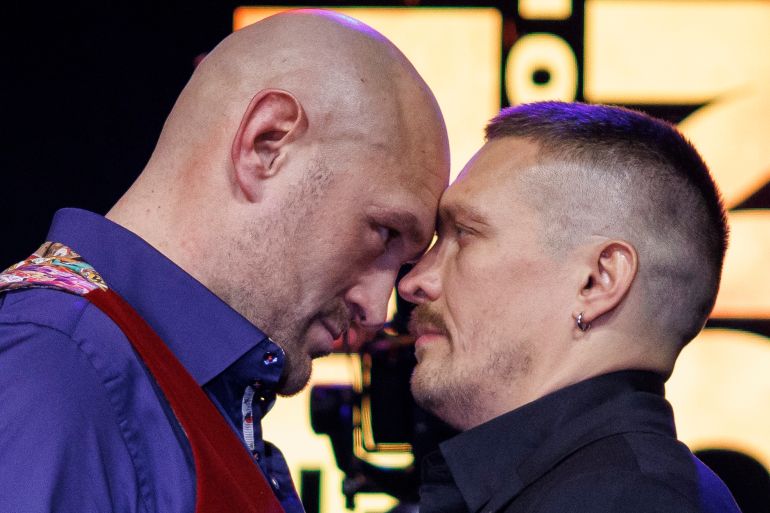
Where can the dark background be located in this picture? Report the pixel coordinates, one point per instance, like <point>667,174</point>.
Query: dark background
<point>86,87</point>
<point>85,90</point>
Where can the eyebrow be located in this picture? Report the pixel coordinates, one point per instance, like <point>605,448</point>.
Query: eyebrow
<point>408,224</point>
<point>463,212</point>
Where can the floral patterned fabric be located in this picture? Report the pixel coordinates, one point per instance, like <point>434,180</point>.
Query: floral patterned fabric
<point>53,266</point>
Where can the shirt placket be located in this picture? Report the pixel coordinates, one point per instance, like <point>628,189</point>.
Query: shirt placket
<point>254,405</point>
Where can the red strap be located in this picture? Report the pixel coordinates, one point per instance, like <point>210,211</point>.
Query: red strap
<point>228,479</point>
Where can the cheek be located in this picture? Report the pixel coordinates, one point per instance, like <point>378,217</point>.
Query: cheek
<point>471,314</point>
<point>479,277</point>
<point>490,295</point>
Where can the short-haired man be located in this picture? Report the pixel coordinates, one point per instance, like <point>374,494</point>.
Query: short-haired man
<point>578,252</point>
<point>299,169</point>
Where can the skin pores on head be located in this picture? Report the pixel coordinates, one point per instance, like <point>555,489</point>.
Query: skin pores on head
<point>300,167</point>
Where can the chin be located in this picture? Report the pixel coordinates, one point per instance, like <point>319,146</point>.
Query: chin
<point>290,388</point>
<point>445,398</point>
<point>434,402</point>
<point>296,376</point>
<point>320,353</point>
<point>420,385</point>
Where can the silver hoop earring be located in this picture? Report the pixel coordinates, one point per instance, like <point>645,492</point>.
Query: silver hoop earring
<point>582,325</point>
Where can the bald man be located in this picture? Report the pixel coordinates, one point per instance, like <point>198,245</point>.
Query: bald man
<point>139,352</point>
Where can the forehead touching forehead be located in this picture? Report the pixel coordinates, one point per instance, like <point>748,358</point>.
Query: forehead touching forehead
<point>399,143</point>
<point>407,188</point>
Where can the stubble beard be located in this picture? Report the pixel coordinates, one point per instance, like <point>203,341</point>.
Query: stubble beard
<point>272,304</point>
<point>281,327</point>
<point>463,394</point>
<point>298,366</point>
<point>444,390</point>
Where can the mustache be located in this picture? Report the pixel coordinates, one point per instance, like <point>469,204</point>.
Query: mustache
<point>424,319</point>
<point>339,314</point>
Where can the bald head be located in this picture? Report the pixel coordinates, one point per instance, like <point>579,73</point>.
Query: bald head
<point>299,169</point>
<point>340,70</point>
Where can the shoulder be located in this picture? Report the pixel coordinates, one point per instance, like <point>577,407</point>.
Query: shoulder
<point>59,435</point>
<point>51,346</point>
<point>633,472</point>
<point>610,491</point>
<point>39,349</point>
<point>48,308</point>
<point>668,460</point>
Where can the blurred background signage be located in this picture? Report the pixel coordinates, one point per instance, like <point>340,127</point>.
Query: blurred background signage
<point>701,64</point>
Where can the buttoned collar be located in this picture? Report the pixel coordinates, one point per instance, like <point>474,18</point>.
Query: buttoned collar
<point>493,462</point>
<point>204,333</point>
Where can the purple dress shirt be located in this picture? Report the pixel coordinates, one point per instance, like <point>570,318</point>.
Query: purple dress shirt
<point>83,428</point>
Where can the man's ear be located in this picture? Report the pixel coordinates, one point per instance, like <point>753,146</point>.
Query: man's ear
<point>612,269</point>
<point>273,119</point>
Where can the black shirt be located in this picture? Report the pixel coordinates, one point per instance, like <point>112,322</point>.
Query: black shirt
<point>607,444</point>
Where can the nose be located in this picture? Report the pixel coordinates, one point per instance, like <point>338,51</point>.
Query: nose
<point>368,299</point>
<point>423,283</point>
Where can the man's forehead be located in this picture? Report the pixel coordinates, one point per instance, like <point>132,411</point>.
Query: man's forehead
<point>420,181</point>
<point>503,158</point>
<point>489,178</point>
<point>408,201</point>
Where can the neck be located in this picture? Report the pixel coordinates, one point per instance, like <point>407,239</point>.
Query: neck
<point>594,354</point>
<point>148,210</point>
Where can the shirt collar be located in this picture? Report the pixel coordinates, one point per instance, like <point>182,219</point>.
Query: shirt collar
<point>492,462</point>
<point>203,332</point>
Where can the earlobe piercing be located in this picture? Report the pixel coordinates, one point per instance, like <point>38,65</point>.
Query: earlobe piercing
<point>581,324</point>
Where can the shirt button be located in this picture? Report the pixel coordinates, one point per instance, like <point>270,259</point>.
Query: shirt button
<point>269,358</point>
<point>274,483</point>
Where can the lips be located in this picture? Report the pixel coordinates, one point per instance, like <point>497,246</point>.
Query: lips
<point>428,335</point>
<point>321,337</point>
<point>335,318</point>
<point>420,330</point>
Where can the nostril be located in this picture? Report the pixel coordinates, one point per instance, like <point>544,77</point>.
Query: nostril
<point>357,314</point>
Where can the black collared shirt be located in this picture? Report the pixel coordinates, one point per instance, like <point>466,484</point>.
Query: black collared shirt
<point>607,444</point>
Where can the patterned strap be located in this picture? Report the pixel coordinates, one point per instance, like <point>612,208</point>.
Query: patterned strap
<point>53,266</point>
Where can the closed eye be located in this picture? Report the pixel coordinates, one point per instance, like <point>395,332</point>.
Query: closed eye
<point>462,232</point>
<point>387,235</point>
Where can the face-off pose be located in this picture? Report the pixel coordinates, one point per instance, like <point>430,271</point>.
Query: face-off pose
<point>578,252</point>
<point>300,167</point>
